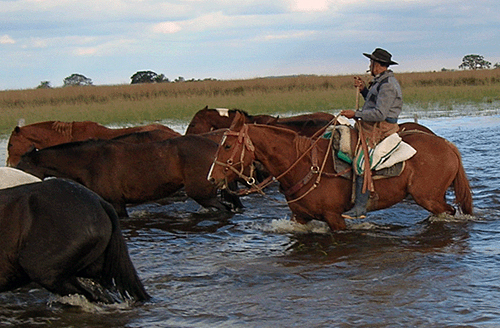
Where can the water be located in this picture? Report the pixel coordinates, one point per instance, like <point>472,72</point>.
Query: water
<point>397,268</point>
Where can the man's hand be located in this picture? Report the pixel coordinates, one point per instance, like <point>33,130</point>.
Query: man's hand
<point>349,113</point>
<point>359,83</point>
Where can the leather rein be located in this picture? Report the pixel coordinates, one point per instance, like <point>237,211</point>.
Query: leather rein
<point>245,143</point>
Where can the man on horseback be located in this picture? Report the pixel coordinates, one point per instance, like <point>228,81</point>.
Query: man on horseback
<point>376,120</point>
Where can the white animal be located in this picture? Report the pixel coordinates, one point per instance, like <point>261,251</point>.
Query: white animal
<point>10,177</point>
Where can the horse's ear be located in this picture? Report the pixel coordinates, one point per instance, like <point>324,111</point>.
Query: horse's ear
<point>273,120</point>
<point>206,107</point>
<point>17,129</point>
<point>238,122</point>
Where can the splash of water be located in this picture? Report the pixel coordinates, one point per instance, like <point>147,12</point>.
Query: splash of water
<point>286,225</point>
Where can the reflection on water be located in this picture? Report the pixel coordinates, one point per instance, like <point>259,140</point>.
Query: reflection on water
<point>397,268</point>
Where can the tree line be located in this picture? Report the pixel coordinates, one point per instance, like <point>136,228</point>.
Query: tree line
<point>471,61</point>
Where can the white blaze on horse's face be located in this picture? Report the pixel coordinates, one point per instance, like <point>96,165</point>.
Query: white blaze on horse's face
<point>209,176</point>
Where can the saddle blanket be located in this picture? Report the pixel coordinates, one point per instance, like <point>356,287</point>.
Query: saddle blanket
<point>390,151</point>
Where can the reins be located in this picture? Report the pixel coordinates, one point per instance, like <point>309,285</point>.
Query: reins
<point>314,170</point>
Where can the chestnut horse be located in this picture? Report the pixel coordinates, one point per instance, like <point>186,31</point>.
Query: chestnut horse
<point>50,133</point>
<point>67,239</point>
<point>314,191</point>
<point>133,173</point>
<point>207,120</point>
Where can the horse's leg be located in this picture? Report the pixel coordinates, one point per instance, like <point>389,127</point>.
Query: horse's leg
<point>335,220</point>
<point>120,208</point>
<point>299,219</point>
<point>233,199</point>
<point>206,197</point>
<point>434,204</point>
<point>432,199</point>
<point>89,288</point>
<point>204,193</point>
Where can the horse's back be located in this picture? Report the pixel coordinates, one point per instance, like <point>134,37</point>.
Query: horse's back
<point>147,136</point>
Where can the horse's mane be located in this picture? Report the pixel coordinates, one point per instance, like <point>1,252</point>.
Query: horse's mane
<point>302,123</point>
<point>85,143</point>
<point>301,142</point>
<point>64,128</point>
<point>235,110</point>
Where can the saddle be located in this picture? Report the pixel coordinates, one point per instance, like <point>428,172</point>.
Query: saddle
<point>387,159</point>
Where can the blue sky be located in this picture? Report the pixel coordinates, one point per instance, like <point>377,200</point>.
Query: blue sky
<point>109,40</point>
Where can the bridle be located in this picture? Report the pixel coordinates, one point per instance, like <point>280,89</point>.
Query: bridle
<point>245,144</point>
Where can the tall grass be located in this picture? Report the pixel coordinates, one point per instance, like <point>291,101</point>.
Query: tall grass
<point>135,104</point>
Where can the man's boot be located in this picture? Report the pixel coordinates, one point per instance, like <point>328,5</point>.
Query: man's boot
<point>360,202</point>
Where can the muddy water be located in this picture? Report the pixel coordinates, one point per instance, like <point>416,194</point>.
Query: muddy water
<point>397,268</point>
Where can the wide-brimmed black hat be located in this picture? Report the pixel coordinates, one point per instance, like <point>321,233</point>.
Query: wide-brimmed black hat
<point>381,56</point>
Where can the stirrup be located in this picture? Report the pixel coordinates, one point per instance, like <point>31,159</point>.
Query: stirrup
<point>353,214</point>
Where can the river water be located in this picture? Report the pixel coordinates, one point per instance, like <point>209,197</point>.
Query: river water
<point>397,268</point>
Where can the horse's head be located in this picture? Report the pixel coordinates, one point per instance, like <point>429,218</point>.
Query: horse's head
<point>17,145</point>
<point>235,153</point>
<point>28,162</point>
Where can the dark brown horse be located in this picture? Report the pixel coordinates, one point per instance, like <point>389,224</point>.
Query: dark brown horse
<point>317,192</point>
<point>66,238</point>
<point>51,133</point>
<point>128,173</point>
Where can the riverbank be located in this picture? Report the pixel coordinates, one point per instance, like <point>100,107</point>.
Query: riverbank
<point>135,104</point>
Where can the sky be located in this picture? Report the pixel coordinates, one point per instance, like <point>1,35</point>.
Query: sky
<point>108,41</point>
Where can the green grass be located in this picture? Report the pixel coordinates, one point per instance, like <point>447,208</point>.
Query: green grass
<point>137,104</point>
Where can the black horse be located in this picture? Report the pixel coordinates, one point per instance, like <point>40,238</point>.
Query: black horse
<point>66,238</point>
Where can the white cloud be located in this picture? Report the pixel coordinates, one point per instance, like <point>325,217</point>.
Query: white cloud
<point>39,43</point>
<point>167,28</point>
<point>288,35</point>
<point>309,5</point>
<point>114,47</point>
<point>89,51</point>
<point>5,39</point>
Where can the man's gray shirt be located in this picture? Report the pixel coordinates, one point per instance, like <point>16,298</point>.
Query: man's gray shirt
<point>383,100</point>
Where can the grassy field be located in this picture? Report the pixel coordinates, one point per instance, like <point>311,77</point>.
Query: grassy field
<point>137,104</point>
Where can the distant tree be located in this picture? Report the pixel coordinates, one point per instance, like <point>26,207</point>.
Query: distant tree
<point>147,77</point>
<point>44,85</point>
<point>161,78</point>
<point>180,79</point>
<point>77,80</point>
<point>474,62</point>
<point>497,65</point>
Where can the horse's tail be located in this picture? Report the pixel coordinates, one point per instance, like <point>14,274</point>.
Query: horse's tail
<point>463,193</point>
<point>118,267</point>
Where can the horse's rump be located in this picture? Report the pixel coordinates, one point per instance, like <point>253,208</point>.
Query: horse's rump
<point>58,233</point>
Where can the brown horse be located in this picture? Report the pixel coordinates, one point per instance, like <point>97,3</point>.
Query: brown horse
<point>51,133</point>
<point>207,119</point>
<point>66,238</point>
<point>129,173</point>
<point>315,191</point>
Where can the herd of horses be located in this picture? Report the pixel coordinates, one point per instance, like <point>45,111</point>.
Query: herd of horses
<point>60,224</point>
